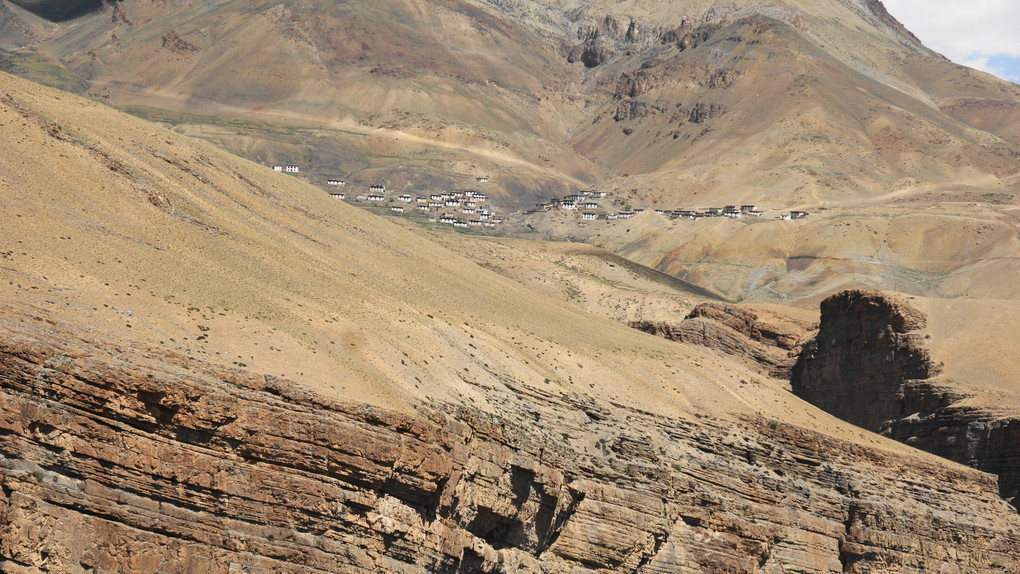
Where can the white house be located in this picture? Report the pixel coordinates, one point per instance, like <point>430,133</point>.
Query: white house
<point>482,179</point>
<point>375,197</point>
<point>338,194</point>
<point>406,198</point>
<point>397,209</point>
<point>589,216</point>
<point>377,188</point>
<point>291,169</point>
<point>336,182</point>
<point>569,206</point>
<point>277,168</point>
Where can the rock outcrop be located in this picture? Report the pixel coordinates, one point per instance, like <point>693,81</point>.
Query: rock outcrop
<point>868,366</point>
<point>736,331</point>
<point>863,354</point>
<point>115,457</point>
<point>175,43</point>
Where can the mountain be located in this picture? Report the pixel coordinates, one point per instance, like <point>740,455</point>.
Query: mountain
<point>829,107</point>
<point>206,365</point>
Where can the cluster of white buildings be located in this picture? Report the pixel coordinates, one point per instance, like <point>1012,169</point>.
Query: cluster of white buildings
<point>794,215</point>
<point>587,204</point>
<point>458,208</point>
<point>731,211</point>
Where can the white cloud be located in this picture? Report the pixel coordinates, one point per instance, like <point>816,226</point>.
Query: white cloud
<point>981,34</point>
<point>960,28</point>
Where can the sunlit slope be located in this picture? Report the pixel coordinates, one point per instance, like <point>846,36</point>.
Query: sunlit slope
<point>128,230</point>
<point>453,86</point>
<point>787,101</point>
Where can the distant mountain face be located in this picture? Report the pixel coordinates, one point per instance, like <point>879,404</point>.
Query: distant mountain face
<point>798,101</point>
<point>785,104</point>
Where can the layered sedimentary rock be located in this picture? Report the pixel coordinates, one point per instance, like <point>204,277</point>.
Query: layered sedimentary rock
<point>864,352</point>
<point>122,458</point>
<point>868,366</point>
<point>737,331</point>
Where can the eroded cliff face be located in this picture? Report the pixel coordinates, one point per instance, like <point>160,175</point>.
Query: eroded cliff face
<point>869,366</point>
<point>864,351</point>
<point>122,458</point>
<point>737,331</point>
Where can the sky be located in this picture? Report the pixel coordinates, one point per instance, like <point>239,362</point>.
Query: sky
<point>982,34</point>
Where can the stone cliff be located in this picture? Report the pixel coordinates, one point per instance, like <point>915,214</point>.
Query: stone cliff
<point>863,353</point>
<point>734,330</point>
<point>868,366</point>
<point>118,457</point>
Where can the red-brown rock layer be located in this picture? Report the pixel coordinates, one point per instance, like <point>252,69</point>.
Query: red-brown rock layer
<point>120,458</point>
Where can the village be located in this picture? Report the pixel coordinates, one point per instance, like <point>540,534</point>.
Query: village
<point>467,208</point>
<point>470,208</point>
<point>588,206</point>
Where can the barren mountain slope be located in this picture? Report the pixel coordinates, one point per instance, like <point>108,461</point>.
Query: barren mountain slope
<point>209,366</point>
<point>829,101</point>
<point>125,229</point>
<point>830,107</point>
<point>452,88</point>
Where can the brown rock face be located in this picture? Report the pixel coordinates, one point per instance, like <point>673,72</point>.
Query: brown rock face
<point>735,331</point>
<point>118,458</point>
<point>591,53</point>
<point>863,354</point>
<point>866,367</point>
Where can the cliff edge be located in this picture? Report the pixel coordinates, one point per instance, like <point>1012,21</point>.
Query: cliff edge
<point>869,365</point>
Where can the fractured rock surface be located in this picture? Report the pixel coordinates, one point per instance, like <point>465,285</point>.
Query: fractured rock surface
<point>736,331</point>
<point>123,458</point>
<point>869,366</point>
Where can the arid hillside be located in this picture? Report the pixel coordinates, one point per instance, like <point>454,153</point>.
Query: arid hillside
<point>829,107</point>
<point>792,102</point>
<point>209,366</point>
